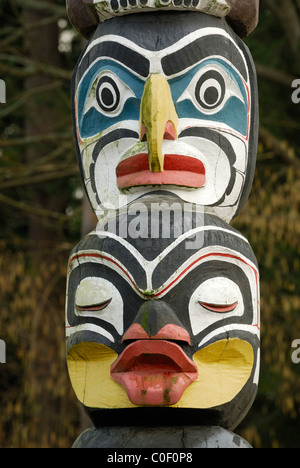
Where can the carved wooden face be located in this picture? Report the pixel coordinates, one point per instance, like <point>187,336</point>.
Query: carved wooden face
<point>152,323</point>
<point>175,111</point>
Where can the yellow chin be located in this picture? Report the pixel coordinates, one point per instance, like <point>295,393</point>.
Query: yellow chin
<point>224,368</point>
<point>89,370</point>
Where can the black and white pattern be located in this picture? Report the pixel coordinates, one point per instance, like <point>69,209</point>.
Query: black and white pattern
<point>213,83</point>
<point>211,292</point>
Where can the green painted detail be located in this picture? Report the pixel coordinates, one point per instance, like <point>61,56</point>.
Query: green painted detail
<point>94,139</point>
<point>150,292</point>
<point>214,6</point>
<point>159,4</point>
<point>103,5</point>
<point>145,319</point>
<point>166,396</point>
<point>139,147</point>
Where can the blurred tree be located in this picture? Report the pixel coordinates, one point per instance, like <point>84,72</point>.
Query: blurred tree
<point>45,115</point>
<point>40,218</point>
<point>271,222</point>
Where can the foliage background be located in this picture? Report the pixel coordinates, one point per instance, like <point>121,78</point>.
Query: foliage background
<point>42,218</point>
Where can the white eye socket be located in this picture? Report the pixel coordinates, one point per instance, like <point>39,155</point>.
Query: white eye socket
<point>97,297</point>
<point>210,89</point>
<point>108,94</point>
<point>213,300</point>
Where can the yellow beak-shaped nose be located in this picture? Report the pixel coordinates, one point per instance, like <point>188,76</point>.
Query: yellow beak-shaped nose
<point>158,119</point>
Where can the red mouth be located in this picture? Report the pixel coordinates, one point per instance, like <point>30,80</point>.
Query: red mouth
<point>154,372</point>
<point>178,170</point>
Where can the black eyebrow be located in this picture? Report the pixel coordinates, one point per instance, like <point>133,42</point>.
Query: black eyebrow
<point>132,59</point>
<point>201,48</point>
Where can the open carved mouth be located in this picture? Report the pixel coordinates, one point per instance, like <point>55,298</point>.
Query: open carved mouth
<point>178,170</point>
<point>154,372</point>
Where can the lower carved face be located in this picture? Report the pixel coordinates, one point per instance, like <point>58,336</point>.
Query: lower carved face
<point>164,327</point>
<point>176,112</point>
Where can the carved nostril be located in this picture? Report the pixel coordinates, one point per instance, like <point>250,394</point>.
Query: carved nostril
<point>143,134</point>
<point>170,131</point>
<point>135,332</point>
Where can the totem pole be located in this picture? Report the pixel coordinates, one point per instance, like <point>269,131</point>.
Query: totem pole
<point>162,307</point>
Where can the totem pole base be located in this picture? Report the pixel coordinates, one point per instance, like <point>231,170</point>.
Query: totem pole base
<point>160,437</point>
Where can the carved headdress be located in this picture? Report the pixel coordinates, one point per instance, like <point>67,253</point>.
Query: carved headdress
<point>85,15</point>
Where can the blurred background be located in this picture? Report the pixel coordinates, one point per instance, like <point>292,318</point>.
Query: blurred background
<point>43,214</point>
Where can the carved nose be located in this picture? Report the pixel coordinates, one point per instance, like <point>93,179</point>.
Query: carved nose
<point>156,321</point>
<point>158,119</point>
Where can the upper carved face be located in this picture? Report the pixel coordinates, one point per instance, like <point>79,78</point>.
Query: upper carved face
<point>165,322</point>
<point>166,102</point>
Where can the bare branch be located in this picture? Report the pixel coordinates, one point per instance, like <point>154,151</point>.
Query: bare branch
<point>23,98</point>
<point>281,148</point>
<point>36,67</point>
<point>35,139</point>
<point>287,13</point>
<point>35,179</point>
<point>33,210</point>
<point>274,75</point>
<point>43,7</point>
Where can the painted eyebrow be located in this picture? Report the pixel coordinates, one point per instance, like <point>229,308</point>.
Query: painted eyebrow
<point>110,49</point>
<point>201,48</point>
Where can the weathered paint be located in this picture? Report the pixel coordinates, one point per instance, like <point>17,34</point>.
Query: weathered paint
<point>181,119</point>
<point>154,372</point>
<point>204,301</point>
<point>220,372</point>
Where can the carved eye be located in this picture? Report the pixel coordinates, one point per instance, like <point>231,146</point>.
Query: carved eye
<point>221,308</point>
<point>93,308</point>
<point>108,94</point>
<point>99,298</point>
<point>210,89</point>
<point>214,299</point>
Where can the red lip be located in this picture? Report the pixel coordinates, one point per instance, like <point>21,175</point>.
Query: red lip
<point>178,170</point>
<point>154,372</point>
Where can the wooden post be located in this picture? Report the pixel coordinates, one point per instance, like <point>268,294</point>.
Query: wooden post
<point>163,304</point>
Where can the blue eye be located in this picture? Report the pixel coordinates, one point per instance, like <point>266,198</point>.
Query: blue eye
<point>210,89</point>
<point>108,95</point>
